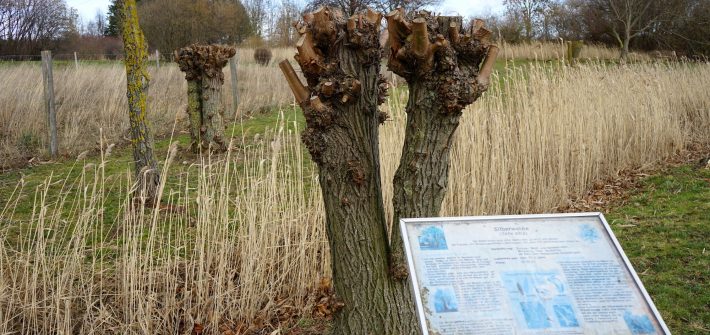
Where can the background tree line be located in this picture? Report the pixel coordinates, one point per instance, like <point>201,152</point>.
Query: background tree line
<point>26,26</point>
<point>679,25</point>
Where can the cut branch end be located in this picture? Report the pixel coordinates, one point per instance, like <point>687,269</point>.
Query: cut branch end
<point>300,92</point>
<point>485,74</point>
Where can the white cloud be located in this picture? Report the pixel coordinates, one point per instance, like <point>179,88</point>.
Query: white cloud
<point>468,8</point>
<point>87,8</point>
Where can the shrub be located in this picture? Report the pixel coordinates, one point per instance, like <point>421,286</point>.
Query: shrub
<point>28,144</point>
<point>262,56</point>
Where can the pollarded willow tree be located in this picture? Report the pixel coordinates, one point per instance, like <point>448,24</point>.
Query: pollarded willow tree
<point>203,66</point>
<point>340,58</point>
<point>136,54</point>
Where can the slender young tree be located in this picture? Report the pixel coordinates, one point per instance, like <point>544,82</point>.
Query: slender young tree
<point>136,54</point>
<point>340,58</point>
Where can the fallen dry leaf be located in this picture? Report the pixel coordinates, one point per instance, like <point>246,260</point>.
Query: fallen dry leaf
<point>197,329</point>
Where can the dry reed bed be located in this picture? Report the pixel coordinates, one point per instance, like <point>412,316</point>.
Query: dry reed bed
<point>232,245</point>
<point>246,244</point>
<point>94,96</point>
<point>553,51</point>
<point>546,133</point>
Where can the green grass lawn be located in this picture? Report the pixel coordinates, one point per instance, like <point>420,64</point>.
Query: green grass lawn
<point>665,231</point>
<point>119,166</point>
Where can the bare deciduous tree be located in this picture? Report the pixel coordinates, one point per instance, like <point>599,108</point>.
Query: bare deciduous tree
<point>284,32</point>
<point>258,12</point>
<point>531,14</point>
<point>627,19</point>
<point>28,25</point>
<point>97,26</point>
<point>172,24</point>
<point>386,6</point>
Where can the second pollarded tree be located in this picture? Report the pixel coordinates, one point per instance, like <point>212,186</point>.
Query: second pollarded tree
<point>203,66</point>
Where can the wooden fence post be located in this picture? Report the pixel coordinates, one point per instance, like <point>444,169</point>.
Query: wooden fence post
<point>76,61</point>
<point>157,58</point>
<point>48,80</point>
<point>235,91</point>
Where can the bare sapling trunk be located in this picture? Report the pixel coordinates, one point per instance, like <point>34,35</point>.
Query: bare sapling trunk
<point>625,48</point>
<point>136,54</point>
<point>203,66</point>
<point>340,58</point>
<point>447,67</point>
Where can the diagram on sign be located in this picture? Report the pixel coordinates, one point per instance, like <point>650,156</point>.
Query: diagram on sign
<point>432,238</point>
<point>589,234</point>
<point>638,324</point>
<point>540,300</point>
<point>444,300</point>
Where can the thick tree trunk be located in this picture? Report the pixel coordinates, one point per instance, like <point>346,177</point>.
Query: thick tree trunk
<point>188,61</point>
<point>212,134</point>
<point>422,176</point>
<point>439,90</point>
<point>340,59</point>
<point>136,53</point>
<point>203,65</point>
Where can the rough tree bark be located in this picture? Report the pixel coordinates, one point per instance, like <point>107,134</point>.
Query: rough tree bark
<point>340,60</point>
<point>203,66</point>
<point>447,67</point>
<point>193,75</point>
<point>216,58</point>
<point>136,53</point>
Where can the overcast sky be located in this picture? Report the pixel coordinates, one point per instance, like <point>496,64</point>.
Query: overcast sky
<point>87,8</point>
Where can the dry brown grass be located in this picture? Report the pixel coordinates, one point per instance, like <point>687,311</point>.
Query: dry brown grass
<point>545,134</point>
<point>553,51</point>
<point>93,97</point>
<point>242,236</point>
<point>237,242</point>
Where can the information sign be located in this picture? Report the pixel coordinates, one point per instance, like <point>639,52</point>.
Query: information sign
<point>559,274</point>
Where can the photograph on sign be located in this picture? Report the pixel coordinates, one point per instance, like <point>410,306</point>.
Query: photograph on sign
<point>527,274</point>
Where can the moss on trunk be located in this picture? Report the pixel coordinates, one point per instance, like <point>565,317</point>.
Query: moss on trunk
<point>203,66</point>
<point>136,53</point>
<point>194,112</point>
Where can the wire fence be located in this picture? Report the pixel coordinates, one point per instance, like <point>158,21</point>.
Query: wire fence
<point>79,57</point>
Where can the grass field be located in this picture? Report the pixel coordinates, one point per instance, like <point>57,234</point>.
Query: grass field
<point>238,241</point>
<point>92,98</point>
<point>664,229</point>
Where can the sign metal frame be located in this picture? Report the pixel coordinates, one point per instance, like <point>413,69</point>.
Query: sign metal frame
<point>473,219</point>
